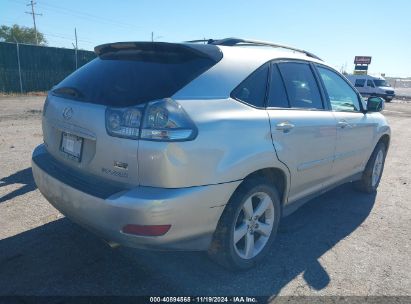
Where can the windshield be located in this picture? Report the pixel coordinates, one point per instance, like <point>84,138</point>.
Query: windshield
<point>381,83</point>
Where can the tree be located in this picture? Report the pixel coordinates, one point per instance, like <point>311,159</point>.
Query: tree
<point>22,34</point>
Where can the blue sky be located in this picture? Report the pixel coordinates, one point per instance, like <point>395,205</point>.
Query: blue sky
<point>334,30</point>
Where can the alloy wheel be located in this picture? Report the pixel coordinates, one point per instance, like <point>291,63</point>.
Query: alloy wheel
<point>253,226</point>
<point>377,169</point>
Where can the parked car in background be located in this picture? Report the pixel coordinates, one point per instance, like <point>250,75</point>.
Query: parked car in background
<point>193,146</point>
<point>372,86</point>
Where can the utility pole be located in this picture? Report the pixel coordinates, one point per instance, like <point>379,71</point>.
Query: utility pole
<point>156,37</point>
<point>33,14</point>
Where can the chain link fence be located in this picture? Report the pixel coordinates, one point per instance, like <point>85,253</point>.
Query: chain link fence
<point>31,68</point>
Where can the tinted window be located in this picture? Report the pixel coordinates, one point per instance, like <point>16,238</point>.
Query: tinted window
<point>277,97</point>
<point>253,89</point>
<point>302,89</point>
<point>342,96</point>
<point>359,83</point>
<point>127,78</point>
<point>370,83</point>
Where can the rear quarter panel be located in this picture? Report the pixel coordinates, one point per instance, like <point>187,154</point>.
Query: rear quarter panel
<point>233,141</point>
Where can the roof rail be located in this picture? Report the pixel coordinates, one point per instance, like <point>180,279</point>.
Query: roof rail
<point>238,41</point>
<point>204,41</point>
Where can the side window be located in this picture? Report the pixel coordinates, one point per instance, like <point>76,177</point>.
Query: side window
<point>370,84</point>
<point>253,89</point>
<point>359,83</point>
<point>277,97</point>
<point>302,89</point>
<point>342,96</point>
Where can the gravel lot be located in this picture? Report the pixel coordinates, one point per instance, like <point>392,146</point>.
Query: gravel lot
<point>342,243</point>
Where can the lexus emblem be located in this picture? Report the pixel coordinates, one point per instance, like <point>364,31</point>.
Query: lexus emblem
<point>67,113</point>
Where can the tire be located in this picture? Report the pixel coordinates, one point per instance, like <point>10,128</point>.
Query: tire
<point>370,178</point>
<point>387,100</point>
<point>260,231</point>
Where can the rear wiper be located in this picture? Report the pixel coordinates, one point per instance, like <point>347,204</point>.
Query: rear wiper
<point>68,91</point>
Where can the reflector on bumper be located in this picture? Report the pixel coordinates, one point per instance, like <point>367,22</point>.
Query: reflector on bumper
<point>146,230</point>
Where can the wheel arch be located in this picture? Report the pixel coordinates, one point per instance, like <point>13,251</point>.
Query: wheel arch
<point>385,139</point>
<point>276,176</point>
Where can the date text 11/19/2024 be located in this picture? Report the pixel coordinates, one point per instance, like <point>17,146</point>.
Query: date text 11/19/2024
<point>207,299</point>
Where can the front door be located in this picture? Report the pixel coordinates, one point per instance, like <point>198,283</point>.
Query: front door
<point>303,131</point>
<point>354,130</point>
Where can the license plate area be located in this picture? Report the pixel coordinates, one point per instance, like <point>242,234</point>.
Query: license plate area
<point>72,146</point>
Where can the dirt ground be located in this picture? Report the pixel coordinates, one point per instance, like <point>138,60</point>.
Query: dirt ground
<point>342,243</point>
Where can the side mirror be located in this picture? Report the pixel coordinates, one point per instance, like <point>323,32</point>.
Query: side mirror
<point>375,104</point>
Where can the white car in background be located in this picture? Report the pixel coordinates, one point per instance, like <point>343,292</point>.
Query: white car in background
<point>372,86</point>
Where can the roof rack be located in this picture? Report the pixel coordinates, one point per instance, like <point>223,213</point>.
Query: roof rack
<point>239,41</point>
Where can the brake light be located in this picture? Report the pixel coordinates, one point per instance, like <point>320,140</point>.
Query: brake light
<point>146,230</point>
<point>160,120</point>
<point>124,122</point>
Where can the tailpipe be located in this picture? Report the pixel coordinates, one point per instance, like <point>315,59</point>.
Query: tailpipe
<point>112,244</point>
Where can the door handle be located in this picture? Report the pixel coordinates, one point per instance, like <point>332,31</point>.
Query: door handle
<point>343,124</point>
<point>284,126</point>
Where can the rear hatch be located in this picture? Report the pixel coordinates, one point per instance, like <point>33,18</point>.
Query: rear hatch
<point>123,75</point>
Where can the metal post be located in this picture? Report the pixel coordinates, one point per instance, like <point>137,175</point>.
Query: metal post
<point>75,34</point>
<point>18,62</point>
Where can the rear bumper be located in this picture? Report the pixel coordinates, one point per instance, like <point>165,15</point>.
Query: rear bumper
<point>193,213</point>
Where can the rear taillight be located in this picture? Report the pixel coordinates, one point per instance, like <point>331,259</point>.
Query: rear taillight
<point>124,122</point>
<point>160,120</point>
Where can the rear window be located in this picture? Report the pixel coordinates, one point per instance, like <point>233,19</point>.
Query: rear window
<point>130,77</point>
<point>301,86</point>
<point>277,96</point>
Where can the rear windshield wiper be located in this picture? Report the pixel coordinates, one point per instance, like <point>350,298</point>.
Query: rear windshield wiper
<point>68,91</point>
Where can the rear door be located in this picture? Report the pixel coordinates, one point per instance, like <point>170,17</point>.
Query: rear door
<point>303,130</point>
<point>355,132</point>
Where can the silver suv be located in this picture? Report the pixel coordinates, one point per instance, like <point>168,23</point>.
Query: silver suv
<point>203,146</point>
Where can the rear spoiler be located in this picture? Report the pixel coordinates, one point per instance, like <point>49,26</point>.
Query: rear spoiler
<point>201,50</point>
